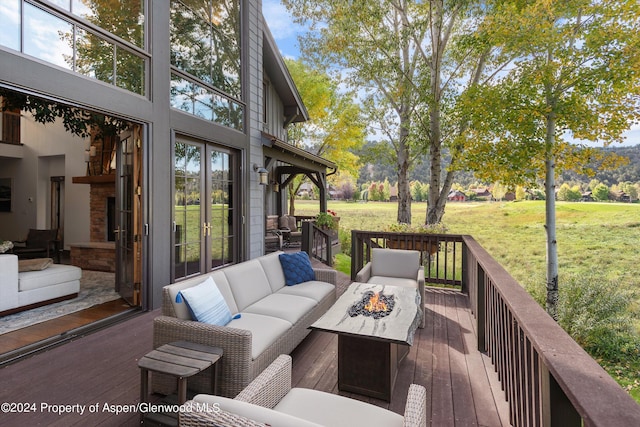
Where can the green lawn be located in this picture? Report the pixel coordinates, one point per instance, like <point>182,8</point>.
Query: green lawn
<point>600,236</point>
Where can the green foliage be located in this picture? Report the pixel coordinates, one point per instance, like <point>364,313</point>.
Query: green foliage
<point>78,121</point>
<point>569,194</point>
<point>601,193</point>
<point>597,313</point>
<point>335,129</point>
<point>326,220</point>
<point>439,228</point>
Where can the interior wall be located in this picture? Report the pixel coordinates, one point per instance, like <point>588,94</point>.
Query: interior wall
<point>48,150</point>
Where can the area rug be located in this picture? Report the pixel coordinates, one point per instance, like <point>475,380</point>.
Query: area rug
<point>96,287</point>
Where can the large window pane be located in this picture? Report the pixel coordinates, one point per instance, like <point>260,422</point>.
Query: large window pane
<point>10,18</point>
<point>94,56</point>
<point>205,41</point>
<point>130,71</point>
<point>48,37</point>
<point>125,18</point>
<point>190,43</point>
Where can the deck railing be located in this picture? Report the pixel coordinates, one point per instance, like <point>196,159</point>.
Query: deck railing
<point>548,379</point>
<point>318,243</point>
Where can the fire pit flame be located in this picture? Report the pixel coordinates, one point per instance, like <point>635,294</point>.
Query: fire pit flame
<point>373,304</point>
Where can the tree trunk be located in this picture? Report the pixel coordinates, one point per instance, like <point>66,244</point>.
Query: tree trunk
<point>404,190</point>
<point>550,220</point>
<point>435,209</point>
<point>292,199</point>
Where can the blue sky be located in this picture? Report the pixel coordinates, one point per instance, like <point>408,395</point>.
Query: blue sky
<point>285,32</point>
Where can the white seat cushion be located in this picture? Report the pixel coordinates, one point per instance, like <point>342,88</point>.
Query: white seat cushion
<point>264,330</point>
<point>250,411</point>
<point>313,289</point>
<point>52,275</point>
<point>393,281</point>
<point>336,411</point>
<point>287,307</point>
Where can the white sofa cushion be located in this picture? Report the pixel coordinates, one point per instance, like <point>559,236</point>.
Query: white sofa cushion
<point>54,274</point>
<point>393,281</point>
<point>395,263</point>
<point>181,309</point>
<point>273,270</point>
<point>250,411</point>
<point>264,330</point>
<point>248,282</point>
<point>287,307</point>
<point>313,289</point>
<point>336,411</point>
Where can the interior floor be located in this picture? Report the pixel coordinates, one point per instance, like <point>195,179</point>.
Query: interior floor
<point>33,334</point>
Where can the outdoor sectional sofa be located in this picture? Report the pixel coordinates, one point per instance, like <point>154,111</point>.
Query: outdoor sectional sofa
<point>273,319</point>
<point>46,283</point>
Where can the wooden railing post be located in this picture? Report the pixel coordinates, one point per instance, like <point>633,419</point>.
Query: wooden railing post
<point>481,309</point>
<point>307,237</point>
<point>465,270</point>
<point>356,254</point>
<point>557,409</point>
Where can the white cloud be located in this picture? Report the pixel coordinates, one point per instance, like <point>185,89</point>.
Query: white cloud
<point>279,20</point>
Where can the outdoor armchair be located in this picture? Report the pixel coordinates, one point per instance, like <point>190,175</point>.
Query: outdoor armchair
<point>270,400</point>
<point>395,267</point>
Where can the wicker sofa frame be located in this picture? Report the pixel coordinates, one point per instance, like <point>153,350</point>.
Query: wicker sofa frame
<point>238,368</point>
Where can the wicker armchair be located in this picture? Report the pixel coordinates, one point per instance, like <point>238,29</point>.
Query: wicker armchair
<point>396,267</point>
<point>270,400</point>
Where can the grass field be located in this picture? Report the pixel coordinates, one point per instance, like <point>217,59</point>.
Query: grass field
<point>600,236</point>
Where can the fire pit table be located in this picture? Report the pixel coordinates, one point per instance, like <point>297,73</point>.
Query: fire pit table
<point>375,326</point>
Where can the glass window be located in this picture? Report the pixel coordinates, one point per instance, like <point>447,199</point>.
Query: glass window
<point>196,99</point>
<point>130,71</point>
<point>10,18</point>
<point>205,41</point>
<point>65,42</point>
<point>94,56</point>
<point>124,18</point>
<point>48,37</point>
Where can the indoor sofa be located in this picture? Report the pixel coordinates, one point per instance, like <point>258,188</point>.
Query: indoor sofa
<point>269,319</point>
<point>270,401</point>
<point>45,284</point>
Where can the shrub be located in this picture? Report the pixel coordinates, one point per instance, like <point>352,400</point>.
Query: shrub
<point>596,313</point>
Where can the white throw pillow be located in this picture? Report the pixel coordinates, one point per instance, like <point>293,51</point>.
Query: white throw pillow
<point>206,303</point>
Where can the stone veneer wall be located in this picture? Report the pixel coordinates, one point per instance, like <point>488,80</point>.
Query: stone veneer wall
<point>98,210</point>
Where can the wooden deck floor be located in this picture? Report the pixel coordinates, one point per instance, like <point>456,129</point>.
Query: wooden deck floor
<point>101,370</point>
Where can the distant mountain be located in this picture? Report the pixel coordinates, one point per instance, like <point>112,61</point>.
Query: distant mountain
<point>629,172</point>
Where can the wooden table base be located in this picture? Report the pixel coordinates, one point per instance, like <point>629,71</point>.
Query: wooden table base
<point>367,366</point>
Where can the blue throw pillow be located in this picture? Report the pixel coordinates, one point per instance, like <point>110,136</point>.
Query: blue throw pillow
<point>296,268</point>
<point>206,303</point>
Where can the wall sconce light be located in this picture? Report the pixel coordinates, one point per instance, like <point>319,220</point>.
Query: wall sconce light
<point>275,186</point>
<point>263,174</point>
